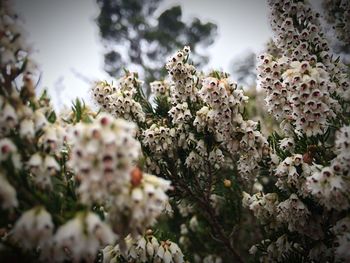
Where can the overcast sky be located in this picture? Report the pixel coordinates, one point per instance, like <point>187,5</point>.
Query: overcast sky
<point>66,42</point>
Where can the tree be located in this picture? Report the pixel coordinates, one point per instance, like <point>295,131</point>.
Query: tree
<point>337,15</point>
<point>244,69</point>
<point>134,35</point>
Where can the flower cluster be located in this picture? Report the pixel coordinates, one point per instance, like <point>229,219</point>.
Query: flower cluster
<point>296,27</point>
<point>305,89</point>
<point>14,49</point>
<point>34,229</point>
<point>298,92</point>
<point>41,168</point>
<point>182,75</point>
<point>80,238</point>
<point>7,194</point>
<point>253,147</point>
<point>180,113</point>
<point>102,157</point>
<point>160,88</point>
<point>301,82</point>
<point>222,111</point>
<point>120,101</point>
<point>264,206</point>
<point>142,202</point>
<point>292,173</point>
<point>342,231</point>
<point>144,249</point>
<point>330,186</point>
<point>159,139</point>
<point>293,212</point>
<point>22,124</point>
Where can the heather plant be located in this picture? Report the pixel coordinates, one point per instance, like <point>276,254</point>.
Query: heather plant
<point>186,175</point>
<point>305,198</point>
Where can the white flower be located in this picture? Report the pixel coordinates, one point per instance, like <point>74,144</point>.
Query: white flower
<point>264,206</point>
<point>103,155</point>
<point>329,189</point>
<point>119,101</point>
<point>287,144</point>
<point>182,75</point>
<point>253,250</point>
<point>180,113</point>
<point>8,151</point>
<point>80,238</point>
<point>33,229</point>
<point>144,249</point>
<point>27,129</point>
<point>292,173</point>
<point>169,252</point>
<point>7,148</point>
<point>8,117</point>
<point>194,160</point>
<point>294,213</point>
<point>159,88</point>
<point>7,194</point>
<point>194,223</point>
<point>53,138</point>
<point>142,203</point>
<point>42,167</point>
<point>40,120</point>
<point>159,139</point>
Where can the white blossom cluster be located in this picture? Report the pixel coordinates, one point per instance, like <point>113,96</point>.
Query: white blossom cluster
<point>297,29</point>
<point>80,238</point>
<point>253,146</point>
<point>104,154</point>
<point>33,230</point>
<point>299,92</point>
<point>142,203</point>
<point>221,114</point>
<point>41,167</point>
<point>304,180</point>
<point>102,157</point>
<point>294,213</point>
<point>120,101</point>
<point>144,249</point>
<point>264,206</point>
<point>330,186</point>
<point>17,117</point>
<point>34,147</point>
<point>221,103</point>
<point>292,173</point>
<point>160,88</point>
<point>159,139</point>
<point>194,160</point>
<point>277,249</point>
<point>342,243</point>
<point>183,78</point>
<point>301,82</point>
<point>341,164</point>
<point>180,113</point>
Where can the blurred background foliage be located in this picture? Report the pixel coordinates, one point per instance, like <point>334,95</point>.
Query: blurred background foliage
<point>133,32</point>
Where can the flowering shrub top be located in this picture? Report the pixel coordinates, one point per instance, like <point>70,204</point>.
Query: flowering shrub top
<point>79,186</point>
